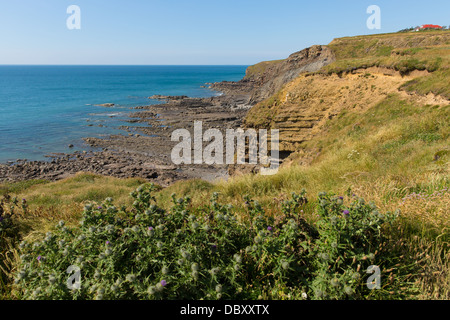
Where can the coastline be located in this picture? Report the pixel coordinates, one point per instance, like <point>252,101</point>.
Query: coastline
<point>145,153</point>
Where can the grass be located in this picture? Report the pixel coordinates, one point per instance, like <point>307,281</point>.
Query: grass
<point>50,202</point>
<point>395,154</point>
<point>405,53</point>
<point>394,166</point>
<point>259,68</point>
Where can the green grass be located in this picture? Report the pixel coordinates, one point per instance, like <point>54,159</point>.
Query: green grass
<point>17,187</point>
<point>396,143</point>
<point>436,83</point>
<point>259,68</point>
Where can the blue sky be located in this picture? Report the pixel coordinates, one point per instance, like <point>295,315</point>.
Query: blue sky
<point>181,32</point>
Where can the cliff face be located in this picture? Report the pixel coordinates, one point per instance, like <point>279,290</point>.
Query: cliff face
<point>301,94</point>
<point>276,75</point>
<point>266,78</point>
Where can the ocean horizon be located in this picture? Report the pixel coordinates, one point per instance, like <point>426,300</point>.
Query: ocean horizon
<point>46,108</point>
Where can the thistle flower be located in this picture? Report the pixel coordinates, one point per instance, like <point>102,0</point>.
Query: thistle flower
<point>130,278</point>
<point>186,255</point>
<point>269,229</point>
<point>165,270</point>
<point>195,225</point>
<point>346,212</point>
<point>319,293</point>
<point>215,271</point>
<point>151,290</point>
<point>163,283</point>
<point>356,276</point>
<point>22,274</point>
<point>37,291</point>
<point>335,282</point>
<point>348,290</point>
<point>195,267</point>
<point>159,287</point>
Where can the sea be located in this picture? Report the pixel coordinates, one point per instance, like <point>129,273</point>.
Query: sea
<point>45,109</point>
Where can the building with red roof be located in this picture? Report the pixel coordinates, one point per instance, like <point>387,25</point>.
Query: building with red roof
<point>428,26</point>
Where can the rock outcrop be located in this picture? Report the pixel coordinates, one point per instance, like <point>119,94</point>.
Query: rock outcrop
<point>267,78</point>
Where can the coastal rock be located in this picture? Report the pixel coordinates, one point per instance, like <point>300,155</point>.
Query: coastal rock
<point>107,105</point>
<point>161,97</point>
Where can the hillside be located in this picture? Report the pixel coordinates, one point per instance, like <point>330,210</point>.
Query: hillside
<point>364,128</point>
<point>366,70</point>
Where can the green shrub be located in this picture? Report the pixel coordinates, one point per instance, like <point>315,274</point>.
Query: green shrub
<point>206,253</point>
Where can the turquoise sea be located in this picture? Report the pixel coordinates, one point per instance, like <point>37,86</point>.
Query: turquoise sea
<point>44,109</point>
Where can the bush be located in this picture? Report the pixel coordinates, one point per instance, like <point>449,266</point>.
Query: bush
<point>205,253</point>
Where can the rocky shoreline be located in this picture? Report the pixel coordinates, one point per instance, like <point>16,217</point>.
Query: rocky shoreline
<point>144,150</point>
<point>145,153</point>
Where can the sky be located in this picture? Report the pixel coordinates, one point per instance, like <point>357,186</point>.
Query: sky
<point>192,32</point>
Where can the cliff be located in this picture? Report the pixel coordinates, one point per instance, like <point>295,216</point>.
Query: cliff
<point>302,94</point>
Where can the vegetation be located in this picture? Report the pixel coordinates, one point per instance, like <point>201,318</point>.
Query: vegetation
<point>206,253</point>
<point>260,68</point>
<point>278,242</point>
<point>428,50</point>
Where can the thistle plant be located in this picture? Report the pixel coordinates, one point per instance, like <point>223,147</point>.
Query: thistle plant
<point>146,252</point>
